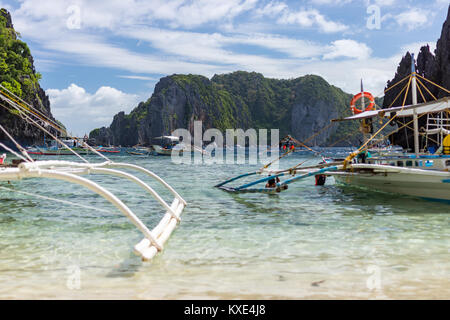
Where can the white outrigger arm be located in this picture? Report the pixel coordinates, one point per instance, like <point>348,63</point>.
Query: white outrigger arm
<point>154,240</point>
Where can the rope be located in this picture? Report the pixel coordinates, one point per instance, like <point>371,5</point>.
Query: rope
<point>54,199</point>
<point>354,154</point>
<point>27,118</point>
<point>387,90</point>
<point>420,82</point>
<point>303,145</point>
<point>28,107</point>
<point>345,137</point>
<point>21,149</point>
<point>279,158</point>
<point>48,121</point>
<point>13,152</point>
<point>435,84</point>
<point>421,94</point>
<point>399,94</point>
<point>407,90</point>
<point>319,132</point>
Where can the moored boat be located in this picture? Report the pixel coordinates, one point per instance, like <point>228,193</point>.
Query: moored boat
<point>423,173</point>
<point>419,174</point>
<point>168,146</point>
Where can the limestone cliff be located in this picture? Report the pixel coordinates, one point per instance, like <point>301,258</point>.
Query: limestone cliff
<point>299,107</point>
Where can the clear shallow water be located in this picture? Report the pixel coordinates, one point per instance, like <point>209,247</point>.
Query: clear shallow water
<point>309,242</point>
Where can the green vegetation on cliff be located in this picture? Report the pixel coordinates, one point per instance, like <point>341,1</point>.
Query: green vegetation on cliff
<point>18,75</point>
<point>16,68</point>
<point>223,108</point>
<point>267,100</point>
<point>270,101</point>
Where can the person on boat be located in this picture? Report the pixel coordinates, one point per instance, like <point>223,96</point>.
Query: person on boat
<point>2,158</point>
<point>363,155</point>
<point>431,149</point>
<point>272,183</point>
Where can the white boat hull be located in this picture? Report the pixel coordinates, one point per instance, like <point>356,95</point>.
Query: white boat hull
<point>420,185</point>
<point>166,152</point>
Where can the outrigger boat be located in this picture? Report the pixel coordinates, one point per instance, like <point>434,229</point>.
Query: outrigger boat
<point>417,174</point>
<point>78,173</point>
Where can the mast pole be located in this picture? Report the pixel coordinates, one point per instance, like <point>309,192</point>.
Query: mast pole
<point>414,102</point>
<point>364,128</point>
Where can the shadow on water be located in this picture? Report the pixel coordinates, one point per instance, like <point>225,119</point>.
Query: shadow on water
<point>352,200</point>
<point>377,202</point>
<point>127,268</point>
<point>269,209</point>
<point>264,204</point>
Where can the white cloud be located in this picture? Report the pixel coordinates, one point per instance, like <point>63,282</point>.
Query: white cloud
<point>311,18</point>
<point>305,18</point>
<point>213,47</point>
<point>348,48</point>
<point>135,77</point>
<point>108,26</point>
<point>347,74</point>
<point>112,14</point>
<point>367,2</point>
<point>442,3</point>
<point>81,111</point>
<point>194,13</point>
<point>413,18</point>
<point>272,8</point>
<point>330,2</point>
<point>385,2</point>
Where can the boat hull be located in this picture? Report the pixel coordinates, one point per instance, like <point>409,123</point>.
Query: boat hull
<point>416,185</point>
<point>166,152</point>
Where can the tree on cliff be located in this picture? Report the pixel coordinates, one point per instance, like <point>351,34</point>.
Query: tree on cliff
<point>18,75</point>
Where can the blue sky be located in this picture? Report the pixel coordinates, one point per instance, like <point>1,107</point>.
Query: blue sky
<point>101,57</point>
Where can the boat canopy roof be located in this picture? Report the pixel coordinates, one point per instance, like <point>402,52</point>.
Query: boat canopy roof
<point>406,111</point>
<point>173,138</point>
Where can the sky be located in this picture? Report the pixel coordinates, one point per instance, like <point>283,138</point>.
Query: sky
<point>100,57</point>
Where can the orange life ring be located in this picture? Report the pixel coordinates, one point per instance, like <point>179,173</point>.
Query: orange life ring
<point>367,95</point>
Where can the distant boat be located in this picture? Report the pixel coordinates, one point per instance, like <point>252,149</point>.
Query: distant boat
<point>46,151</point>
<point>170,145</point>
<point>139,151</point>
<point>108,150</point>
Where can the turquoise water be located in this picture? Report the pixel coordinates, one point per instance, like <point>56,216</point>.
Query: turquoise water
<point>309,242</point>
